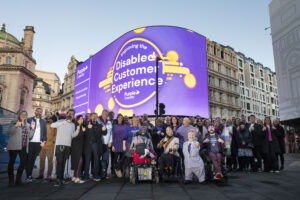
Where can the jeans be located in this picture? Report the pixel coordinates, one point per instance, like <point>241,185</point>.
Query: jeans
<point>104,161</point>
<point>12,158</point>
<point>96,160</point>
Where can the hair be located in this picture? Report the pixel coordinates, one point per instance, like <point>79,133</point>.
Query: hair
<point>120,115</point>
<point>268,117</point>
<point>135,117</point>
<point>251,116</point>
<point>19,115</point>
<point>177,121</point>
<point>71,110</point>
<point>192,131</point>
<point>77,118</point>
<point>103,111</point>
<point>38,109</point>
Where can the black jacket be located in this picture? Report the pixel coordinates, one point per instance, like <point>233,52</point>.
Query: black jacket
<point>43,128</point>
<point>281,138</point>
<point>244,136</point>
<point>257,136</point>
<point>266,143</point>
<point>94,135</point>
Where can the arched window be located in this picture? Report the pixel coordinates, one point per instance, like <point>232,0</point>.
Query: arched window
<point>8,60</point>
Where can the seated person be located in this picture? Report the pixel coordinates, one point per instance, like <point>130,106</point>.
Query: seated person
<point>142,144</point>
<point>193,163</point>
<point>169,148</point>
<point>215,145</point>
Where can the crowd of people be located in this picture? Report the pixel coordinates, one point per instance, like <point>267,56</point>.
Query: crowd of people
<point>103,146</point>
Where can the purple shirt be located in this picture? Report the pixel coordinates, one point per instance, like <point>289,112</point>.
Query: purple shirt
<point>117,133</point>
<point>129,134</point>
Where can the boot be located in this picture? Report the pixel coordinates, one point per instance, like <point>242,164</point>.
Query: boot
<point>11,178</point>
<point>19,179</point>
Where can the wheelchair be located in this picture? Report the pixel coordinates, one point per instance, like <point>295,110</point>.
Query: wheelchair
<point>143,169</point>
<point>176,173</point>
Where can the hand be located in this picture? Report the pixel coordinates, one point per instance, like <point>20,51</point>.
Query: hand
<point>243,143</point>
<point>158,132</point>
<point>113,149</point>
<point>78,127</point>
<point>83,129</point>
<point>109,145</point>
<point>220,140</point>
<point>18,124</point>
<point>198,145</point>
<point>206,140</point>
<point>162,133</point>
<point>65,122</point>
<point>252,129</point>
<point>104,128</point>
<point>264,128</point>
<point>165,139</point>
<point>90,125</point>
<point>32,125</point>
<point>273,127</point>
<point>124,148</point>
<point>42,144</point>
<point>171,152</point>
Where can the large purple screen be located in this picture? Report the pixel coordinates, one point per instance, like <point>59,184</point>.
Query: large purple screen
<point>121,77</point>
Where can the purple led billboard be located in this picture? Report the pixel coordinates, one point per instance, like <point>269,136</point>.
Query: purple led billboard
<point>121,77</point>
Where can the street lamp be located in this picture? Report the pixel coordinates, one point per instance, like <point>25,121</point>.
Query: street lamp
<point>157,59</point>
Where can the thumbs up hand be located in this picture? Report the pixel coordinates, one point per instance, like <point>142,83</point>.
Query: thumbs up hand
<point>90,125</point>
<point>104,128</point>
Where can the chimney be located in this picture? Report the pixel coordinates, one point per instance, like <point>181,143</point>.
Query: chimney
<point>3,28</point>
<point>28,39</point>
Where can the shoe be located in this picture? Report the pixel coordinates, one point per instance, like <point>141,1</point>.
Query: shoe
<point>18,182</point>
<point>271,171</point>
<point>259,170</point>
<point>97,179</point>
<point>281,168</point>
<point>118,173</point>
<point>39,177</point>
<point>276,171</point>
<point>74,179</point>
<point>80,181</point>
<point>28,180</point>
<point>187,182</point>
<point>219,176</point>
<point>58,183</point>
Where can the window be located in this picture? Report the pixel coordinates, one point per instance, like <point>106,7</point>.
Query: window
<point>248,106</point>
<point>247,93</point>
<point>272,100</point>
<point>240,63</point>
<point>8,60</point>
<point>271,89</point>
<point>261,73</point>
<point>219,67</point>
<point>251,69</point>
<point>241,70</point>
<point>258,83</point>
<point>242,77</point>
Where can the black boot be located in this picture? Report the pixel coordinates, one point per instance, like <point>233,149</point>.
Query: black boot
<point>11,180</point>
<point>18,179</point>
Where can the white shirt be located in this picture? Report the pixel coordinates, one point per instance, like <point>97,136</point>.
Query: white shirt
<point>37,132</point>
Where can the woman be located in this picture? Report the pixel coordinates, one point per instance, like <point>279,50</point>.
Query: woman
<point>227,137</point>
<point>270,146</point>
<point>117,132</point>
<point>244,141</point>
<point>77,150</point>
<point>20,132</point>
<point>127,139</point>
<point>174,124</point>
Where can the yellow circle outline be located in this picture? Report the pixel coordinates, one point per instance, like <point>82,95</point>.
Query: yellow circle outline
<point>160,55</point>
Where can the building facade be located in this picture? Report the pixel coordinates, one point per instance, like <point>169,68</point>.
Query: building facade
<point>223,83</point>
<point>17,68</point>
<point>41,95</point>
<point>52,79</point>
<point>65,97</point>
<point>258,89</point>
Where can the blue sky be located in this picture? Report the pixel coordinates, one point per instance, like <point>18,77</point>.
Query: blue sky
<point>81,28</point>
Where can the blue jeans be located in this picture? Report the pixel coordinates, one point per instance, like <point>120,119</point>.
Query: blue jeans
<point>88,158</point>
<point>104,161</point>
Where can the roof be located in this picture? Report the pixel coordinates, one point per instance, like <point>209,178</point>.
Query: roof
<point>8,37</point>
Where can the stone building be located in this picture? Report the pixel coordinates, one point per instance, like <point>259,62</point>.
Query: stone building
<point>65,98</point>
<point>223,84</point>
<point>258,89</point>
<point>16,70</point>
<point>52,79</point>
<point>41,95</point>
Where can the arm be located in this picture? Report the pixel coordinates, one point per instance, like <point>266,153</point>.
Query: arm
<point>57,124</point>
<point>76,132</point>
<point>12,128</point>
<point>30,132</point>
<point>44,139</point>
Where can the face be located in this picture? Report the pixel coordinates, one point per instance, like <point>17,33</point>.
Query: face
<point>111,115</point>
<point>94,117</point>
<point>268,121</point>
<point>159,122</point>
<point>120,119</point>
<point>169,132</point>
<point>242,126</point>
<point>174,120</point>
<point>38,113</point>
<point>135,121</point>
<point>186,121</point>
<point>276,122</point>
<point>70,115</point>
<point>126,119</point>
<point>145,117</point>
<point>80,120</point>
<point>211,129</point>
<point>191,136</point>
<point>228,122</point>
<point>252,119</point>
<point>243,118</point>
<point>168,120</point>
<point>48,115</point>
<point>23,116</point>
<point>87,117</point>
<point>104,115</point>
<point>206,122</point>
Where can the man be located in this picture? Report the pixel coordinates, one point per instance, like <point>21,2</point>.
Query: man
<point>281,138</point>
<point>65,132</point>
<point>107,140</point>
<point>93,146</point>
<point>48,148</point>
<point>257,138</point>
<point>182,131</point>
<point>37,142</point>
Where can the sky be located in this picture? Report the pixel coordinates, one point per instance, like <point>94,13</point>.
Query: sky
<point>81,28</point>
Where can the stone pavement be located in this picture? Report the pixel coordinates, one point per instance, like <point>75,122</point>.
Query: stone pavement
<point>240,186</point>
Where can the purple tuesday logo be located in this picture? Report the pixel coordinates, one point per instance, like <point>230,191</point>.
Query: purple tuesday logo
<point>131,79</point>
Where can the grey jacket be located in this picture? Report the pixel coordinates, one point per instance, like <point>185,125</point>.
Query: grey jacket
<point>15,140</point>
<point>192,159</point>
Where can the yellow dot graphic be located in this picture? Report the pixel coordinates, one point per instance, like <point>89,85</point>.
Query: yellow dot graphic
<point>89,110</point>
<point>99,109</point>
<point>111,103</point>
<point>172,56</point>
<point>190,80</point>
<point>139,30</point>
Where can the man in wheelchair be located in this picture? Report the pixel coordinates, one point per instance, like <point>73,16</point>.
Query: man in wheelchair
<point>142,144</point>
<point>214,147</point>
<point>169,161</point>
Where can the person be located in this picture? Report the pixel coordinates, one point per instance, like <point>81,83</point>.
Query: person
<point>201,129</point>
<point>20,131</point>
<point>158,133</point>
<point>169,146</point>
<point>281,140</point>
<point>77,150</point>
<point>126,120</point>
<point>255,131</point>
<point>227,138</point>
<point>117,132</point>
<point>87,118</point>
<point>270,146</point>
<point>37,141</point>
<point>192,161</point>
<point>142,144</point>
<point>65,132</point>
<point>244,141</point>
<point>106,145</point>
<point>48,148</point>
<point>174,124</point>
<point>215,146</point>
<point>93,138</point>
<point>127,136</point>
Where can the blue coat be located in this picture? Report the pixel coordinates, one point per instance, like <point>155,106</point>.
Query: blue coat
<point>43,128</point>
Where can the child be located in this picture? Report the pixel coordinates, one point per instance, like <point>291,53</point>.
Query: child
<point>215,146</point>
<point>192,161</point>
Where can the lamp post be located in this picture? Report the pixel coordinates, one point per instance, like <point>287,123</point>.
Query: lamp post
<point>157,60</point>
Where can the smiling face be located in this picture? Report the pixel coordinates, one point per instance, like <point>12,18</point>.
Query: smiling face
<point>38,113</point>
<point>186,121</point>
<point>211,129</point>
<point>191,136</point>
<point>169,131</point>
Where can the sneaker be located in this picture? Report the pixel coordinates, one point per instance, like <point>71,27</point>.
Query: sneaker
<point>219,176</point>
<point>118,173</point>
<point>80,181</point>
<point>28,180</point>
<point>58,183</point>
<point>259,170</point>
<point>74,179</point>
<point>97,179</point>
<point>281,168</point>
<point>39,177</point>
<point>271,171</point>
<point>277,171</point>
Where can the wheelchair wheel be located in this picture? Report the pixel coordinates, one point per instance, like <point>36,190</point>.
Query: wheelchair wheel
<point>132,177</point>
<point>156,177</point>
